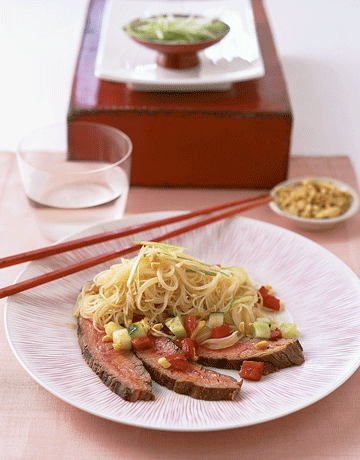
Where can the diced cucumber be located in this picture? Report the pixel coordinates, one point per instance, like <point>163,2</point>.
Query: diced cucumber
<point>260,330</point>
<point>289,330</point>
<point>171,313</point>
<point>111,327</point>
<point>176,327</point>
<point>121,339</point>
<point>136,330</point>
<point>216,319</point>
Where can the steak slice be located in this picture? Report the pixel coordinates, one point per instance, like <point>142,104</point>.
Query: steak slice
<point>278,354</point>
<point>194,381</point>
<point>121,371</point>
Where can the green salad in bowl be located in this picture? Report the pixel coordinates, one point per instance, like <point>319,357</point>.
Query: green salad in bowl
<point>176,28</point>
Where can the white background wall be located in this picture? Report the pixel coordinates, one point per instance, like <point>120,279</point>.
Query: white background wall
<point>318,44</point>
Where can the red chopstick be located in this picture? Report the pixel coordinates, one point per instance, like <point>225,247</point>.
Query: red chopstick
<point>110,235</point>
<point>82,265</point>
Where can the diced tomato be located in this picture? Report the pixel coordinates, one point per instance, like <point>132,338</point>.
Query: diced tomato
<point>190,324</point>
<point>269,300</point>
<point>177,361</point>
<point>220,331</point>
<point>272,302</point>
<point>251,370</point>
<point>141,343</point>
<point>264,292</point>
<point>188,347</point>
<point>275,334</point>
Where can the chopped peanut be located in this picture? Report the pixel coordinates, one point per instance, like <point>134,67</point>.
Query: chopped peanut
<point>145,324</point>
<point>107,338</point>
<point>261,345</point>
<point>269,289</point>
<point>164,362</point>
<point>198,328</point>
<point>313,199</point>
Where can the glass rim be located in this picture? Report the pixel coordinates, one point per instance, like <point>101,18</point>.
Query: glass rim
<point>20,151</point>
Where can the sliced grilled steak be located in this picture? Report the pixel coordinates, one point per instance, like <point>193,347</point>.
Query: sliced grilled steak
<point>279,354</point>
<point>121,371</point>
<point>194,381</point>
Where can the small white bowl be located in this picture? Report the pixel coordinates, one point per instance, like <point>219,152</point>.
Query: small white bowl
<point>313,224</point>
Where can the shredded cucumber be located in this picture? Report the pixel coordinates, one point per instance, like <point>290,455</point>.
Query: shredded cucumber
<point>176,29</point>
<point>158,245</point>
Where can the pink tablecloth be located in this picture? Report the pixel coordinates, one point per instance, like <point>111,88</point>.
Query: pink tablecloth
<point>35,424</point>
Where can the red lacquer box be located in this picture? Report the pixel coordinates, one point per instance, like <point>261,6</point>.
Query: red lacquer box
<point>239,138</point>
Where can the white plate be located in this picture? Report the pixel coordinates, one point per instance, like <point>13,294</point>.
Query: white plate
<point>236,58</point>
<point>320,292</point>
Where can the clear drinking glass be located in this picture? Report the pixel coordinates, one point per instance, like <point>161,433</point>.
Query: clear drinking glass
<point>75,175</point>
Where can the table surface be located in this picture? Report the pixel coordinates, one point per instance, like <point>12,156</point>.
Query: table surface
<point>36,424</point>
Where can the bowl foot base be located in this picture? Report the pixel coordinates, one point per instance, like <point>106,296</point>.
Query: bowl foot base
<point>178,61</point>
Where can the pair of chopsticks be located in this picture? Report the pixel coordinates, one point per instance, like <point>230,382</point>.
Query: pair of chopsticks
<point>242,205</point>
